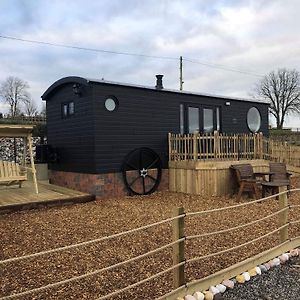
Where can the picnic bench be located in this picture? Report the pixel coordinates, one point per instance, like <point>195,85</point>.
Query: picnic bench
<point>11,173</point>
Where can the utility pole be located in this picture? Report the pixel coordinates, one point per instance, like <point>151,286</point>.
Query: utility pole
<point>180,72</point>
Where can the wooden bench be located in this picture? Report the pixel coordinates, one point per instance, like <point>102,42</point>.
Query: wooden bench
<point>12,173</point>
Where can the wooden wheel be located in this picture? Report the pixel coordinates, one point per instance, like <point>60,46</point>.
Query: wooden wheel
<point>142,171</point>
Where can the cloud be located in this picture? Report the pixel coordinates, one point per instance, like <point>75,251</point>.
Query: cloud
<point>255,36</point>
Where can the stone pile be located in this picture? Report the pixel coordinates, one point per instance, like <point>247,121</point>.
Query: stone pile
<point>215,292</point>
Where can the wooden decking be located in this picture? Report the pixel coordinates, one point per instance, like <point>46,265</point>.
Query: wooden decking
<point>15,198</point>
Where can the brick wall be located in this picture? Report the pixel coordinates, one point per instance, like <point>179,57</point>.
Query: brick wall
<point>100,185</point>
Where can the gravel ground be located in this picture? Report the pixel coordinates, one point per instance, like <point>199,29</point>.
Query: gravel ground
<point>36,230</point>
<point>282,282</point>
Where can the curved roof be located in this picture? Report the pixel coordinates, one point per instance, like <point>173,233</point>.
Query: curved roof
<point>62,81</point>
<point>86,81</point>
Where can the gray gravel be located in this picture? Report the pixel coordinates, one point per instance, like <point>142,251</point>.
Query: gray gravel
<point>282,282</point>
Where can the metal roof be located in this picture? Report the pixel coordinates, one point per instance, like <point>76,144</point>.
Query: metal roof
<point>83,80</point>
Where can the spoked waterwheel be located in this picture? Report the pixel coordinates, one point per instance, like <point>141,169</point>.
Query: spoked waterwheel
<point>142,171</point>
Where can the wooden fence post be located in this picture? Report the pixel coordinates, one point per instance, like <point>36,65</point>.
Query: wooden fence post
<point>283,216</point>
<point>170,147</point>
<point>178,248</point>
<point>195,150</point>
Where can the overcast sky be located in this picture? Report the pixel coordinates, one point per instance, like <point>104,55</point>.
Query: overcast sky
<point>252,36</point>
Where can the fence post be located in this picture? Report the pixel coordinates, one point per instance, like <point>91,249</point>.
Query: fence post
<point>170,147</point>
<point>216,144</point>
<point>195,155</point>
<point>283,216</point>
<point>178,248</point>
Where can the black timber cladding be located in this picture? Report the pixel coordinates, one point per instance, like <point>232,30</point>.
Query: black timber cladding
<point>95,140</point>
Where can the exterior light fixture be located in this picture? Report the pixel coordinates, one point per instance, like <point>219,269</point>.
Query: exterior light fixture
<point>227,103</point>
<point>77,89</point>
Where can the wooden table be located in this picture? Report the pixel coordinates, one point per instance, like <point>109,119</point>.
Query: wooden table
<point>263,175</point>
<point>273,185</point>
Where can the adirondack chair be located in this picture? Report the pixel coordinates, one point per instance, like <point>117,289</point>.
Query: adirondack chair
<point>11,173</point>
<point>246,179</point>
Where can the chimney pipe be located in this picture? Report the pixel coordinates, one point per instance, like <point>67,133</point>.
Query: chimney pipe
<point>159,83</point>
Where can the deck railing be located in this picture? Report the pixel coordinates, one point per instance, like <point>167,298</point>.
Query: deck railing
<point>220,146</point>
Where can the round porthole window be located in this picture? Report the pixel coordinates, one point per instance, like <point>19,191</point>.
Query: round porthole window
<point>253,119</point>
<point>111,104</point>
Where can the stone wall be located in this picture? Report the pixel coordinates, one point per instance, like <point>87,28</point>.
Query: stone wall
<point>8,147</point>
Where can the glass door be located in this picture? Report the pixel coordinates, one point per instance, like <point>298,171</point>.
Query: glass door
<point>200,119</point>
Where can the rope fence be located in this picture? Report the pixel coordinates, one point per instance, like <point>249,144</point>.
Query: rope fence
<point>179,262</point>
<point>237,227</point>
<point>105,238</point>
<point>237,247</point>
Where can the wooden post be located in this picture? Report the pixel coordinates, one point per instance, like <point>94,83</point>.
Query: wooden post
<point>178,248</point>
<point>29,141</point>
<point>261,145</point>
<point>283,217</point>
<point>180,74</point>
<point>195,152</point>
<point>170,147</point>
<point>216,144</point>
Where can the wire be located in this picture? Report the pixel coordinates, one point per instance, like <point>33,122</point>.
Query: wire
<point>222,67</point>
<point>196,61</point>
<point>86,49</point>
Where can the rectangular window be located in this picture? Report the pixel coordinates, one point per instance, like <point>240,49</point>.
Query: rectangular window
<point>218,118</point>
<point>181,119</point>
<point>71,108</point>
<point>67,109</point>
<point>208,120</point>
<point>193,117</point>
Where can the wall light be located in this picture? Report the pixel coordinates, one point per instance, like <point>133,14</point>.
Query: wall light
<point>227,103</point>
<point>77,89</point>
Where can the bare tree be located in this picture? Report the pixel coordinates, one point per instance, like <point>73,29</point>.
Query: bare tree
<point>14,91</point>
<point>282,89</point>
<point>30,108</point>
<point>43,110</point>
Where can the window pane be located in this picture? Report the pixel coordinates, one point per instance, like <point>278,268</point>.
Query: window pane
<point>218,118</point>
<point>193,119</point>
<point>71,108</point>
<point>208,120</point>
<point>253,119</point>
<point>181,119</point>
<point>65,110</point>
<point>110,104</point>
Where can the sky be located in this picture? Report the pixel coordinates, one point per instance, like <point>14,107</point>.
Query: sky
<point>214,37</point>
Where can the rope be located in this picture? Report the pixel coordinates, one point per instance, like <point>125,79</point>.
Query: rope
<point>55,284</point>
<point>295,222</point>
<point>236,247</point>
<point>190,214</point>
<point>9,260</point>
<point>294,206</point>
<point>141,281</point>
<point>237,227</point>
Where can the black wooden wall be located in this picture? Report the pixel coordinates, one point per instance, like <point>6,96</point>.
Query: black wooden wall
<point>95,140</point>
